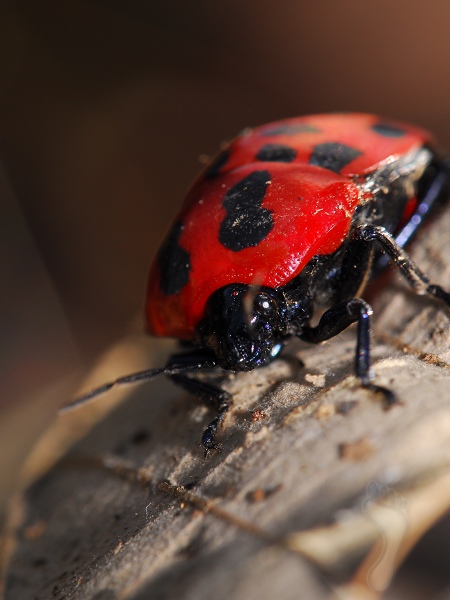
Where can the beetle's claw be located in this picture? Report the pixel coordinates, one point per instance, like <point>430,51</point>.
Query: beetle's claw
<point>389,399</point>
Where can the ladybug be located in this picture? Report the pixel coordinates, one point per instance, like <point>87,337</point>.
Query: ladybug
<point>290,217</point>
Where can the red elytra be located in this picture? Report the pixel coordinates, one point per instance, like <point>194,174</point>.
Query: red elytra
<point>312,193</point>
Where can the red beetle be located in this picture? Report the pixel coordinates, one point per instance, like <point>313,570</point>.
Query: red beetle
<point>291,216</point>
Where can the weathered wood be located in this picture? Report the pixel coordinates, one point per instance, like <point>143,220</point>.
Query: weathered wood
<point>316,490</point>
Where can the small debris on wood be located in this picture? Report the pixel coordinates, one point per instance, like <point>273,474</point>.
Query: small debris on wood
<point>36,530</point>
<point>356,451</point>
<point>258,415</point>
<point>260,494</point>
<point>316,380</point>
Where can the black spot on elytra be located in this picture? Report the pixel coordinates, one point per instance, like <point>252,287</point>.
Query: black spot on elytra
<point>246,223</point>
<point>276,153</point>
<point>333,156</point>
<point>387,130</point>
<point>174,263</point>
<point>290,129</point>
<point>214,168</point>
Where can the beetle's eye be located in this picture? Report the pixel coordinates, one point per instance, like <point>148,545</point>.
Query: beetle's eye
<point>264,305</point>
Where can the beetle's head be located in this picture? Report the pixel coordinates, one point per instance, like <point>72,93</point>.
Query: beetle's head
<point>242,325</point>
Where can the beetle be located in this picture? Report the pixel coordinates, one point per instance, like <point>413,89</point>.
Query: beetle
<point>288,218</point>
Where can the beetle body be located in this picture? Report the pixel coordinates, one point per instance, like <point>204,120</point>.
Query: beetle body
<point>289,217</point>
<point>273,219</point>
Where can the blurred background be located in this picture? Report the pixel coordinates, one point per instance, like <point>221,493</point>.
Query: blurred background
<point>106,108</point>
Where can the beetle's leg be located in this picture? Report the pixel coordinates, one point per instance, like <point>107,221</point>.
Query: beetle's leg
<point>413,275</point>
<point>338,318</point>
<point>214,396</point>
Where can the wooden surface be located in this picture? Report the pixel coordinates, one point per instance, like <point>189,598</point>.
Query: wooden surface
<point>316,492</point>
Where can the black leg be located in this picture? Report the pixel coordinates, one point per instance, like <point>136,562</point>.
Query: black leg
<point>219,399</point>
<point>338,318</point>
<point>342,314</point>
<point>413,275</point>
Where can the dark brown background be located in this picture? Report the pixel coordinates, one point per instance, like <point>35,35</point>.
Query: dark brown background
<point>105,109</point>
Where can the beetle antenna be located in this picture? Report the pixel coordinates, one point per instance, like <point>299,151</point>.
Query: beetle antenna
<point>137,377</point>
<point>181,363</point>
